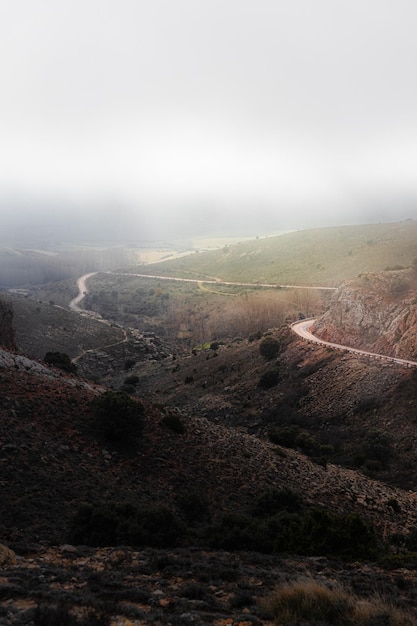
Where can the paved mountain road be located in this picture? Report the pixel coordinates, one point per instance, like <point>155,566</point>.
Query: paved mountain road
<point>302,329</point>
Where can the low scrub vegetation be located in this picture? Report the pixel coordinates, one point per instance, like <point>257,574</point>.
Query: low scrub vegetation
<point>112,524</point>
<point>269,347</point>
<point>269,379</point>
<point>309,602</point>
<point>174,423</point>
<point>118,416</point>
<point>61,361</point>
<point>189,315</point>
<point>276,522</point>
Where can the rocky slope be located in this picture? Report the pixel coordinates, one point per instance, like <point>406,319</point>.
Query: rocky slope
<point>376,312</point>
<point>129,587</point>
<point>53,458</point>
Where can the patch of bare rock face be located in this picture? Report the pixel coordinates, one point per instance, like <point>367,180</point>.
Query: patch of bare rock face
<point>376,312</point>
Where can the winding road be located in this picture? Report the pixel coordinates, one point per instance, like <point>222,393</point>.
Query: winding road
<point>74,305</point>
<point>82,291</point>
<point>218,281</point>
<point>302,329</point>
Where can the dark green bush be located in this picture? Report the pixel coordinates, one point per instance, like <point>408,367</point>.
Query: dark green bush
<point>372,466</point>
<point>174,423</point>
<point>284,435</point>
<point>236,531</point>
<point>115,523</point>
<point>60,360</point>
<point>194,506</point>
<point>411,540</point>
<point>129,389</point>
<point>119,417</point>
<point>269,347</point>
<point>269,379</point>
<point>273,500</point>
<point>306,443</point>
<point>131,380</point>
<point>378,446</point>
<point>324,533</point>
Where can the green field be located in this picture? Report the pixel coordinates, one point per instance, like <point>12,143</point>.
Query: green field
<point>325,256</point>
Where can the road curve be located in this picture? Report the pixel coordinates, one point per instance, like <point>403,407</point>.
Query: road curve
<point>302,329</point>
<point>82,291</point>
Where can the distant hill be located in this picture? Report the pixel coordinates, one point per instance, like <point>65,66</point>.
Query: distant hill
<point>323,256</point>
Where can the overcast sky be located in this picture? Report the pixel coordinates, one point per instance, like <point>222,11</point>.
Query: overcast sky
<point>272,114</point>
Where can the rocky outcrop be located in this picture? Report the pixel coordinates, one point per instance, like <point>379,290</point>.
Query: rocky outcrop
<point>7,332</point>
<point>376,312</point>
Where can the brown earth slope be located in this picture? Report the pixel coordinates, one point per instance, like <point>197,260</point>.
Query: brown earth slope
<point>53,458</point>
<point>376,312</point>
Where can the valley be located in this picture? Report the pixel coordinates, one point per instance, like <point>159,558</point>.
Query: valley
<point>251,439</point>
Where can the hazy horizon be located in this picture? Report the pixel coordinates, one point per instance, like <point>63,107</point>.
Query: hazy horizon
<point>172,119</point>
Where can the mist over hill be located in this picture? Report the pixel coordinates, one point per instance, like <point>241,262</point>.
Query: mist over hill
<point>322,256</point>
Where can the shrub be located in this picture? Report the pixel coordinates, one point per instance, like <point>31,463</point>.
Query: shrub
<point>284,435</point>
<point>131,380</point>
<point>119,416</point>
<point>129,389</point>
<point>269,347</point>
<point>372,466</point>
<point>269,379</point>
<point>411,540</point>
<point>236,531</point>
<point>174,423</point>
<point>115,523</point>
<point>306,443</point>
<point>193,505</point>
<point>272,500</point>
<point>322,533</point>
<point>377,446</point>
<point>309,602</point>
<point>60,360</point>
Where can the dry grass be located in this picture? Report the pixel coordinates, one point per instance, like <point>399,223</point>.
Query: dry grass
<point>323,256</point>
<point>309,602</point>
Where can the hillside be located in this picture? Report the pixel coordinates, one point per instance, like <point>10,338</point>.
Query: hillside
<point>54,458</point>
<point>239,444</point>
<point>376,312</point>
<point>325,256</point>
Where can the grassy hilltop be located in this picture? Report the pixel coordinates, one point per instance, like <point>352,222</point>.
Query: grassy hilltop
<point>323,256</point>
